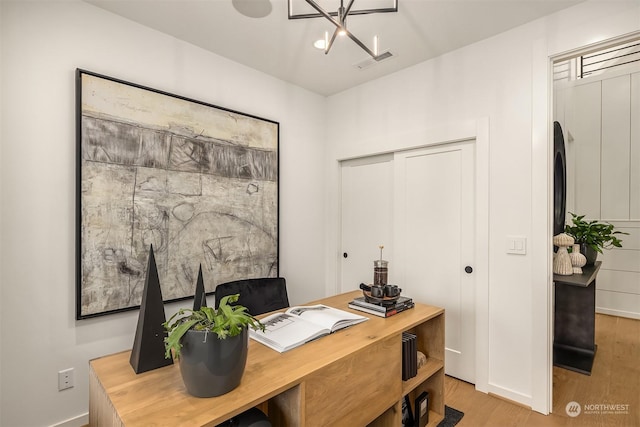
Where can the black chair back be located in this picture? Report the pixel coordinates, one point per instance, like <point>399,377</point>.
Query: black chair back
<point>258,295</point>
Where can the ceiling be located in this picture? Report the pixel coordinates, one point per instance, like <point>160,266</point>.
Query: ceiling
<point>283,48</point>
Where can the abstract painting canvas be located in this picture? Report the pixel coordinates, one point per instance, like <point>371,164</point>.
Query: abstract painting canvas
<point>196,181</point>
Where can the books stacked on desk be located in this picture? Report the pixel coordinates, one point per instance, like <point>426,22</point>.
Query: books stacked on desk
<point>402,304</point>
<point>409,356</point>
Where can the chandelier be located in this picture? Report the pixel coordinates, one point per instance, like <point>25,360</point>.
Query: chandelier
<point>339,20</point>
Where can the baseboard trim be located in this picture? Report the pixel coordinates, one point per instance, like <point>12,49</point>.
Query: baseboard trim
<point>509,395</point>
<point>618,313</point>
<point>497,396</point>
<point>79,421</point>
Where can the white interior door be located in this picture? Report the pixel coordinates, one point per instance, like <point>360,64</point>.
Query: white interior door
<point>367,194</point>
<point>435,240</point>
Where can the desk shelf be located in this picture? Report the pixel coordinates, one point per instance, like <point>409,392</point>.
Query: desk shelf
<point>430,377</point>
<point>424,373</point>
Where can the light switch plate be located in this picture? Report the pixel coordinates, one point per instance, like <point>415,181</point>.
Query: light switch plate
<point>516,245</point>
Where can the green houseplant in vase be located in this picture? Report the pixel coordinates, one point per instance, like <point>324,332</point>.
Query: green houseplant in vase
<point>592,236</point>
<point>211,346</point>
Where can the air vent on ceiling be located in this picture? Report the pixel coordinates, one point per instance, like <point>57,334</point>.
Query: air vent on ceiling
<point>384,56</point>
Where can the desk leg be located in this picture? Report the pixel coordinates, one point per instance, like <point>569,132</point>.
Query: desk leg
<point>287,408</point>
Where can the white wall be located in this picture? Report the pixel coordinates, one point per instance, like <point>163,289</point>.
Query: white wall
<point>1,199</point>
<point>504,78</point>
<point>42,44</point>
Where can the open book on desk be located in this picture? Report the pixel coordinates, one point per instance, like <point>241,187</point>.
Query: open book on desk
<point>298,325</point>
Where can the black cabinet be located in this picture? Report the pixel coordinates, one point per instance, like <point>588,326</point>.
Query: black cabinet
<point>574,345</point>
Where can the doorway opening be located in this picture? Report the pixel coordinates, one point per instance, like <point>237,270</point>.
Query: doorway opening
<point>596,100</point>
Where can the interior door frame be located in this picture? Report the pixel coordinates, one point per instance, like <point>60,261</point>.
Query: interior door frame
<point>477,130</point>
<point>543,154</point>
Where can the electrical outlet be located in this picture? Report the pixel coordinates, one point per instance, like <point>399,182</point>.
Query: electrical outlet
<point>65,379</point>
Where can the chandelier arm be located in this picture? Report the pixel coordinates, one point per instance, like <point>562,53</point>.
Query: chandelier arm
<point>362,45</point>
<point>338,25</point>
<point>324,13</point>
<point>348,9</point>
<point>333,38</point>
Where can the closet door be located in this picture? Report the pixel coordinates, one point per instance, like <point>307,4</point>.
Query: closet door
<point>435,241</point>
<point>367,194</point>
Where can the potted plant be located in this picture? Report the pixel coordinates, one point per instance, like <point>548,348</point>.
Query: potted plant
<point>211,346</point>
<point>592,236</point>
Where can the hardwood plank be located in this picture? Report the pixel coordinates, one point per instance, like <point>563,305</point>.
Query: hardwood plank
<point>477,406</point>
<point>615,379</point>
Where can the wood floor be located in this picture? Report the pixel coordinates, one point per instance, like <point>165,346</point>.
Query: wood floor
<point>615,380</point>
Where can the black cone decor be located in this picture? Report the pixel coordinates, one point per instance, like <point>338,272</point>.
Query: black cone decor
<point>148,346</point>
<point>200,299</point>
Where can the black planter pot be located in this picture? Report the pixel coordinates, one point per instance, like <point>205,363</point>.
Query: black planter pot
<point>211,366</point>
<point>590,253</point>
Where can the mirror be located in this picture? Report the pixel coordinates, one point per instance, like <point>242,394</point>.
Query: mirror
<point>559,180</point>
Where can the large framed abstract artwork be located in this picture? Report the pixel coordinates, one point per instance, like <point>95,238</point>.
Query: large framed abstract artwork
<point>196,181</point>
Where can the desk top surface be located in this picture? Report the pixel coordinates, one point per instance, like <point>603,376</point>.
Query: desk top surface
<point>161,394</point>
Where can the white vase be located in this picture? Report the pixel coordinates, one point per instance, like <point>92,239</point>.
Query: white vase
<point>577,259</point>
<point>562,262</point>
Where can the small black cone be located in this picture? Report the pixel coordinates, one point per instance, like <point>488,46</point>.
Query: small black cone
<point>200,299</point>
<point>148,346</point>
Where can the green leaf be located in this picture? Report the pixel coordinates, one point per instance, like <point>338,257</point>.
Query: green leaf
<point>172,341</point>
<point>208,312</point>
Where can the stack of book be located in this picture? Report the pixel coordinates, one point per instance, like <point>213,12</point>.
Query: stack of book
<point>402,304</point>
<point>409,356</point>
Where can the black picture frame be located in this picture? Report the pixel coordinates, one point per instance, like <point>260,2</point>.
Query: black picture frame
<point>422,409</point>
<point>198,181</point>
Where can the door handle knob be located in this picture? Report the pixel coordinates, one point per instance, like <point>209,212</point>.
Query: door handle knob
<point>468,269</point>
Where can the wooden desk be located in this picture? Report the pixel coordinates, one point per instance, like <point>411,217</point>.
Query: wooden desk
<point>574,317</point>
<point>350,378</point>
